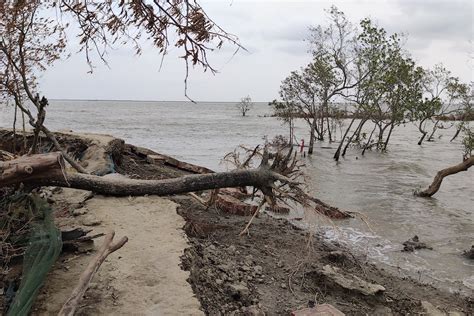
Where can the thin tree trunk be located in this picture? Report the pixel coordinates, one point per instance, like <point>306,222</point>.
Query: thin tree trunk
<point>438,179</point>
<point>458,130</point>
<point>48,133</point>
<point>388,137</point>
<point>311,138</point>
<point>65,154</point>
<point>368,141</point>
<point>356,132</point>
<point>422,131</point>
<point>25,143</point>
<point>318,132</point>
<point>380,136</point>
<point>39,123</point>
<point>329,127</point>
<point>322,125</point>
<point>14,128</point>
<point>422,138</point>
<point>435,128</point>
<point>359,129</point>
<point>292,132</point>
<point>338,151</point>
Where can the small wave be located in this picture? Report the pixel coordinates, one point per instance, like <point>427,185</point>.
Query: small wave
<point>469,282</point>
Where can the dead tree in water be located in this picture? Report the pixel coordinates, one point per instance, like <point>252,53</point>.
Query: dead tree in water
<point>244,105</point>
<point>436,184</point>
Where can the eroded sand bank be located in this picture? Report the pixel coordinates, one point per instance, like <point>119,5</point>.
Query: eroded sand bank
<point>142,278</point>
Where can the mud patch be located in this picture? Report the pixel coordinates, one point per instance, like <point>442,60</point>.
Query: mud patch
<point>278,269</point>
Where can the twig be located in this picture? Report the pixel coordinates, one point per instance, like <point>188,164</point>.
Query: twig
<point>198,198</point>
<point>106,249</point>
<point>246,229</point>
<point>212,198</point>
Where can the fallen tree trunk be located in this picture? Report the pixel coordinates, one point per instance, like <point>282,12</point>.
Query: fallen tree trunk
<point>47,170</point>
<point>29,168</point>
<point>436,184</point>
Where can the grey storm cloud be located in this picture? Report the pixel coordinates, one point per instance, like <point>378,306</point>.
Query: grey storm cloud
<point>289,38</point>
<point>295,32</point>
<point>293,48</point>
<point>434,20</point>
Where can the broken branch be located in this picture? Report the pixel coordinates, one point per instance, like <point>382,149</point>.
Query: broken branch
<point>86,277</point>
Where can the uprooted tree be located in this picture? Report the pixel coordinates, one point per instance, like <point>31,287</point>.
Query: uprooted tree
<point>278,177</point>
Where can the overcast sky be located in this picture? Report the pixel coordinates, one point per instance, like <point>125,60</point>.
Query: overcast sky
<point>439,31</point>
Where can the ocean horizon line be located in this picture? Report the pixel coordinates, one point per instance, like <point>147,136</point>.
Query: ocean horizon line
<point>132,100</point>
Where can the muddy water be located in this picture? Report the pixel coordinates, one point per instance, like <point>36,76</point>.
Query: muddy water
<point>377,185</point>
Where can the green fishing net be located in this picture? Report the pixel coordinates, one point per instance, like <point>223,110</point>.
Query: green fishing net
<point>43,247</point>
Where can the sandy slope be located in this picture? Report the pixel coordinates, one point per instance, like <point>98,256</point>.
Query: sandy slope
<point>142,278</point>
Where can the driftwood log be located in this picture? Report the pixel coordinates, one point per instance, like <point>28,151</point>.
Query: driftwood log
<point>438,179</point>
<point>30,168</point>
<point>86,277</point>
<point>47,170</point>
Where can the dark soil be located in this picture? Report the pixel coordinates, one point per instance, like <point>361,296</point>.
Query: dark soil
<point>17,144</point>
<point>276,269</point>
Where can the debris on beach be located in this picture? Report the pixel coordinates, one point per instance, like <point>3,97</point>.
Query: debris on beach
<point>415,243</point>
<point>350,282</point>
<point>469,253</point>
